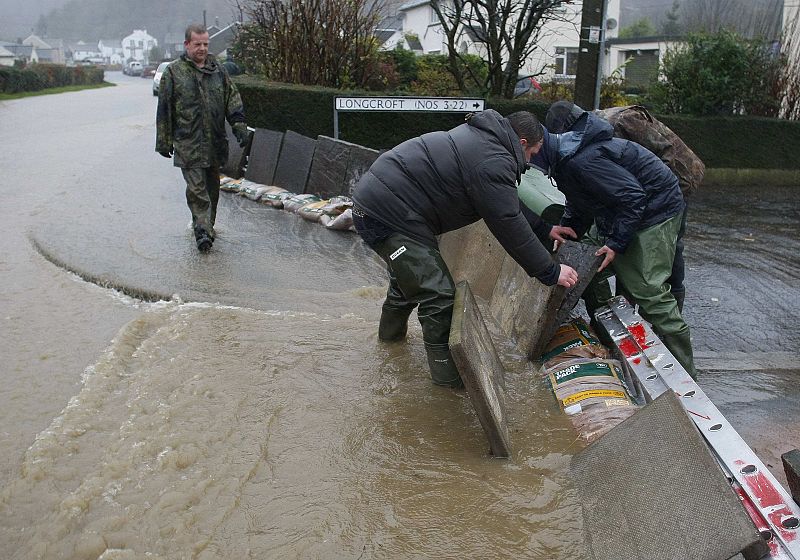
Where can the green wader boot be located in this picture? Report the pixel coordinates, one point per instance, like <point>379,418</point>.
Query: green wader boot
<point>419,276</point>
<point>395,312</point>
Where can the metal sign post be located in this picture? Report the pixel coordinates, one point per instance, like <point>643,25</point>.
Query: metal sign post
<point>404,104</point>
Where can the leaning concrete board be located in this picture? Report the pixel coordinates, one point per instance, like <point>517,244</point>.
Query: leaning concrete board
<point>650,489</point>
<point>480,368</point>
<point>294,162</point>
<point>237,156</point>
<point>473,254</point>
<point>361,159</point>
<point>523,306</point>
<point>582,258</point>
<point>329,167</point>
<point>263,160</point>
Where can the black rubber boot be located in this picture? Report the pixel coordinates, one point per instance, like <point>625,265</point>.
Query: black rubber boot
<point>203,240</point>
<point>443,370</point>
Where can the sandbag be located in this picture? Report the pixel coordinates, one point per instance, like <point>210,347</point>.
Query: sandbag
<point>573,340</point>
<point>312,211</point>
<point>297,201</point>
<point>269,196</point>
<point>276,198</point>
<point>337,205</point>
<point>229,184</point>
<point>342,222</point>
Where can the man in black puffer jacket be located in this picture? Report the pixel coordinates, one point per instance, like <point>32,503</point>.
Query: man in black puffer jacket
<point>439,182</point>
<point>635,202</point>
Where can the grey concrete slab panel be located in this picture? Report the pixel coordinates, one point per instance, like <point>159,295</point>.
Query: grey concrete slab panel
<point>329,167</point>
<point>523,306</point>
<point>361,159</point>
<point>473,254</point>
<point>480,368</point>
<point>237,156</point>
<point>263,159</point>
<point>650,489</point>
<point>791,466</point>
<point>294,162</point>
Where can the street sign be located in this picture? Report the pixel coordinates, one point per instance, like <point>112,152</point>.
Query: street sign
<point>413,104</point>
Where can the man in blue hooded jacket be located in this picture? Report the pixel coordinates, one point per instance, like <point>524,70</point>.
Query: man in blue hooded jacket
<point>439,182</point>
<point>636,204</point>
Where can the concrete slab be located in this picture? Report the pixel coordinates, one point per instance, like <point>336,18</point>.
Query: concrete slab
<point>294,162</point>
<point>791,466</point>
<point>523,306</point>
<point>237,156</point>
<point>582,258</point>
<point>650,489</point>
<point>329,167</point>
<point>481,370</point>
<point>264,152</point>
<point>360,160</point>
<point>473,254</point>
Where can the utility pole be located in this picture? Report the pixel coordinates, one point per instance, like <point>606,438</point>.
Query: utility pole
<point>204,19</point>
<point>588,74</point>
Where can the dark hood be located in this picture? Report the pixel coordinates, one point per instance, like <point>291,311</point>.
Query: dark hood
<point>588,129</point>
<point>494,123</point>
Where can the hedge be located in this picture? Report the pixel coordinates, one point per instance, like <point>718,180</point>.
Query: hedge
<point>36,77</point>
<point>722,142</point>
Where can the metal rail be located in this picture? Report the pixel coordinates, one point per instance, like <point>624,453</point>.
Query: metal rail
<point>650,370</point>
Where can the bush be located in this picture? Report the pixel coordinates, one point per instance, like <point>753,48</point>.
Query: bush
<point>720,74</point>
<point>36,77</point>
<point>731,142</point>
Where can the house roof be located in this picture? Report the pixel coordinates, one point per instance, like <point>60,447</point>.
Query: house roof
<point>20,50</point>
<point>111,43</point>
<point>5,53</point>
<point>223,39</point>
<point>413,4</point>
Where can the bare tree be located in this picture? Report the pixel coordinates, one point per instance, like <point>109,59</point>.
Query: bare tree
<point>790,86</point>
<point>749,18</point>
<point>506,31</point>
<point>315,42</point>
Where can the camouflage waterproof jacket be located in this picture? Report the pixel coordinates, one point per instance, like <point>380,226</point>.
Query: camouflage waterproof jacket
<point>635,123</point>
<point>193,104</point>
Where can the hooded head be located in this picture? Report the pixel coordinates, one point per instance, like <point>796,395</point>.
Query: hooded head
<point>561,116</point>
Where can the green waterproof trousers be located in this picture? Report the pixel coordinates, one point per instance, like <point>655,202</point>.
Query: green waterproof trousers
<point>418,276</point>
<point>202,196</point>
<point>642,272</point>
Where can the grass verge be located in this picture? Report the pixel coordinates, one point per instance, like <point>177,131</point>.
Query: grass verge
<point>51,91</point>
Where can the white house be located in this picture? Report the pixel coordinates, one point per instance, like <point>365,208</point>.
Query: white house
<point>111,51</point>
<point>137,45</point>
<point>82,51</point>
<point>555,57</point>
<point>51,50</point>
<point>6,57</point>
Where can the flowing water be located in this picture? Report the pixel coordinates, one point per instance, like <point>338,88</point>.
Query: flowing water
<point>254,414</point>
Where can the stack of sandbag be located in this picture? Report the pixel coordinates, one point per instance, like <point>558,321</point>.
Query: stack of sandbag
<point>229,184</point>
<point>587,385</point>
<point>335,213</point>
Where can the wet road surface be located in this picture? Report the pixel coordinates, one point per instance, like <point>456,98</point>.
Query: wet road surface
<point>265,420</point>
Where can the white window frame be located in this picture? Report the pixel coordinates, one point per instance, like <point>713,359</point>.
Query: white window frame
<point>563,57</point>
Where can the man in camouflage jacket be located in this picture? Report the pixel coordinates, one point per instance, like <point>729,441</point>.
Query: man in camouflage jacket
<point>195,97</point>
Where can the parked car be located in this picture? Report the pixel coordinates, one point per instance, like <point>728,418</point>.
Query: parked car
<point>157,76</point>
<point>133,68</point>
<point>149,71</point>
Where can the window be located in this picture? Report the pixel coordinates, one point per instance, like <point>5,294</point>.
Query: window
<point>434,17</point>
<point>566,63</point>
